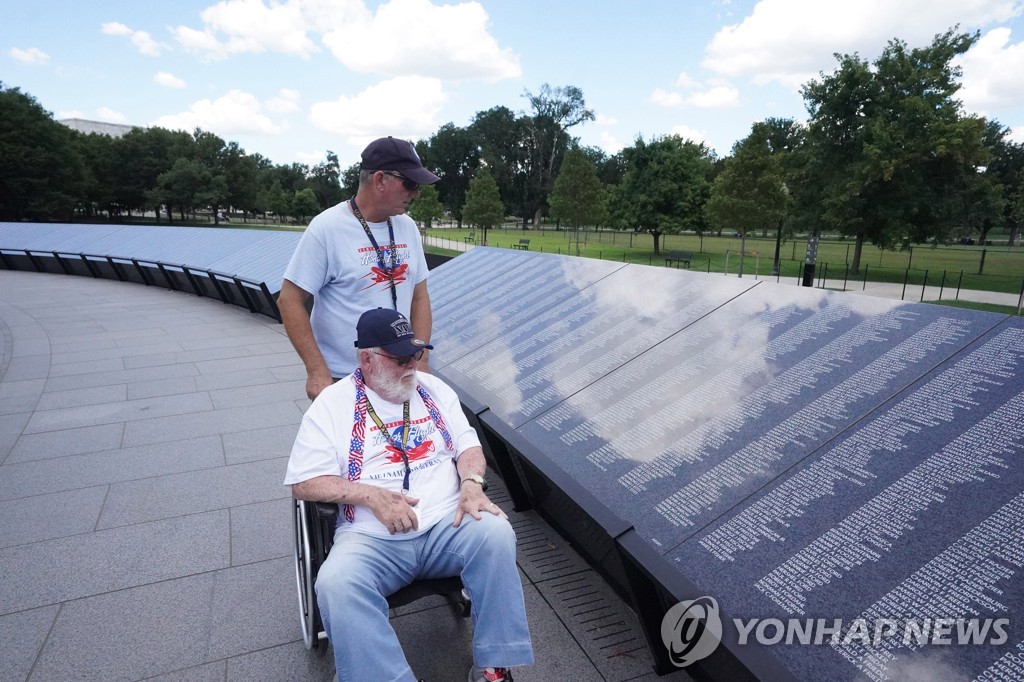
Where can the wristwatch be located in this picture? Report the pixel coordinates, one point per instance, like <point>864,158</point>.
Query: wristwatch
<point>475,478</point>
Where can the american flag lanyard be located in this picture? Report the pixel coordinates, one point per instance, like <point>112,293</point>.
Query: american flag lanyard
<point>390,271</point>
<point>398,444</point>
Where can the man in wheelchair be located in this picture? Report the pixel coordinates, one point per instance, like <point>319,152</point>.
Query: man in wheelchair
<point>393,447</point>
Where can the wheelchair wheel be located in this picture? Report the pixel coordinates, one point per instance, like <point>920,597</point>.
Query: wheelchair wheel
<point>304,577</point>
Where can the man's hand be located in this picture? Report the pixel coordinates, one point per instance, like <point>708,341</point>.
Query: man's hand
<point>473,501</point>
<point>395,511</point>
<point>318,381</point>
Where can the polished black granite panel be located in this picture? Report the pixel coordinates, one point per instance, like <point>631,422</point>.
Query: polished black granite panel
<point>453,283</point>
<point>916,511</point>
<point>487,298</point>
<point>680,434</point>
<point>550,354</point>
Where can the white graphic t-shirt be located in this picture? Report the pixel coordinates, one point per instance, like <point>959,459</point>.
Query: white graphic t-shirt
<point>325,436</point>
<point>337,264</point>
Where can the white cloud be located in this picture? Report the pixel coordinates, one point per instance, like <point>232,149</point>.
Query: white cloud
<point>404,107</point>
<point>403,37</point>
<point>666,99</point>
<point>168,80</point>
<point>140,39</point>
<point>686,81</point>
<point>240,26</point>
<point>311,158</point>
<point>110,116</point>
<point>610,143</point>
<point>714,95</point>
<point>234,113</point>
<point>32,55</point>
<point>688,133</point>
<point>993,73</point>
<point>115,28</point>
<point>286,102</point>
<point>448,41</point>
<point>790,41</point>
<point>605,120</point>
<point>1017,134</point>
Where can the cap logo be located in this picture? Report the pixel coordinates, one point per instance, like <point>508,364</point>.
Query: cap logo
<point>401,328</point>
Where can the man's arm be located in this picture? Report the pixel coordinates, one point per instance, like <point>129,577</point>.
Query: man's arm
<point>292,304</point>
<point>472,499</point>
<point>392,509</point>
<point>422,320</point>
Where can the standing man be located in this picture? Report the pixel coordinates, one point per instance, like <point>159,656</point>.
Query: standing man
<point>360,254</point>
<point>393,446</point>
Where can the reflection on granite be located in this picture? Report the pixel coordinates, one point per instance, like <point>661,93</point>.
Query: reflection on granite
<point>790,451</point>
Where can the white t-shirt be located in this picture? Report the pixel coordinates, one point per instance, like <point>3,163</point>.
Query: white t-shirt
<point>336,263</point>
<point>322,448</point>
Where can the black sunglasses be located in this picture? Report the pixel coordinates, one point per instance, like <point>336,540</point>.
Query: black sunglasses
<point>402,360</point>
<point>409,185</point>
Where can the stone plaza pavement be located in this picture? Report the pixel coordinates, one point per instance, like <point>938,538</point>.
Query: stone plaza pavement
<point>144,530</point>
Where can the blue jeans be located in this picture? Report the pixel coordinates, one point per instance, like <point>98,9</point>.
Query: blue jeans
<point>359,572</point>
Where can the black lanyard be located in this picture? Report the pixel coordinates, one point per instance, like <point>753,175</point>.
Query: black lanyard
<point>390,272</point>
<point>399,444</point>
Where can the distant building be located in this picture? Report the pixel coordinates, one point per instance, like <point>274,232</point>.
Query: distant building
<point>84,126</point>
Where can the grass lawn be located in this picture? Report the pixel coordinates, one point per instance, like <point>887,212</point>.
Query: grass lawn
<point>948,266</point>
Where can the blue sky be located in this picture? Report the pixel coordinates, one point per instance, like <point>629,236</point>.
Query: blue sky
<point>291,79</point>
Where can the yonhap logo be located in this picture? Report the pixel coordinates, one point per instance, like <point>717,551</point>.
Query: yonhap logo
<point>691,630</point>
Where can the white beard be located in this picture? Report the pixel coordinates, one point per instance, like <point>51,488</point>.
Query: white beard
<point>394,388</point>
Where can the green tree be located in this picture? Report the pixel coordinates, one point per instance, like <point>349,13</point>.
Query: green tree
<point>324,180</point>
<point>483,208</point>
<point>426,208</point>
<point>578,196</point>
<point>40,175</point>
<point>100,160</point>
<point>240,172</point>
<point>453,155</point>
<point>304,204</point>
<point>350,181</point>
<point>144,154</point>
<point>665,187</point>
<point>890,146</point>
<point>184,186</point>
<point>555,110</point>
<point>501,137</point>
<point>211,152</point>
<point>750,192</point>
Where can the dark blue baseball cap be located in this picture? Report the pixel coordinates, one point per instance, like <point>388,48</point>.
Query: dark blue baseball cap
<point>388,330</point>
<point>392,154</point>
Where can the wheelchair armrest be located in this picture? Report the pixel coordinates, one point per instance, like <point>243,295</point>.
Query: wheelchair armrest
<point>326,511</point>
<point>326,520</point>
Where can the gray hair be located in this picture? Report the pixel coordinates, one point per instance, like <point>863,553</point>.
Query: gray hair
<point>365,178</point>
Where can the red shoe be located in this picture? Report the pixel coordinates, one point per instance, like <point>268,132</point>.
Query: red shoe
<point>489,674</point>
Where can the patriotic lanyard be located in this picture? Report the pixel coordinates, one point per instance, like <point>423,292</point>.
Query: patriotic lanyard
<point>360,410</point>
<point>400,444</point>
<point>389,271</point>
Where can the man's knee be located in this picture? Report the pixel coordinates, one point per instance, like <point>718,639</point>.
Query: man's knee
<point>494,534</point>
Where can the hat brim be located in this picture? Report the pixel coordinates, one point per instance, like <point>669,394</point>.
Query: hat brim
<point>419,175</point>
<point>406,347</point>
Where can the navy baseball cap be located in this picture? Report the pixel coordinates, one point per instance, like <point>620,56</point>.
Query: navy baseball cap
<point>390,154</point>
<point>389,330</point>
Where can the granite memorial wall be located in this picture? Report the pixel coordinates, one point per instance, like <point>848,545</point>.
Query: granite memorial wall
<point>795,454</point>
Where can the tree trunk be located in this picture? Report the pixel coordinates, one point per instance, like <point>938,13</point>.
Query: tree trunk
<point>657,242</point>
<point>858,249</point>
<point>537,216</point>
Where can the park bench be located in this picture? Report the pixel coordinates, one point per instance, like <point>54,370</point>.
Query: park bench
<point>523,245</point>
<point>679,258</point>
<point>471,237</point>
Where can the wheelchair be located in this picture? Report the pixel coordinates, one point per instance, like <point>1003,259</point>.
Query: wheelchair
<point>314,537</point>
